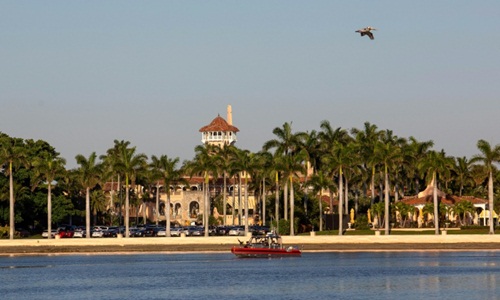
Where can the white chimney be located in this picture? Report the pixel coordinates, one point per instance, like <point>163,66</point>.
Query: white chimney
<point>229,115</point>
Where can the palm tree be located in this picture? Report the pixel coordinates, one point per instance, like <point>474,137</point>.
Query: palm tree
<point>337,159</point>
<point>244,164</point>
<point>336,156</point>
<point>224,156</point>
<point>378,210</point>
<point>462,208</point>
<point>414,153</point>
<point>155,176</point>
<point>98,204</point>
<point>366,141</point>
<point>112,161</point>
<point>463,173</point>
<point>292,164</point>
<point>129,163</point>
<point>47,169</point>
<point>311,147</point>
<point>11,154</point>
<point>285,141</point>
<point>488,157</point>
<point>427,210</point>
<point>89,175</point>
<point>388,153</point>
<point>276,170</point>
<point>434,163</point>
<point>403,209</point>
<point>321,181</point>
<point>204,163</point>
<point>168,171</point>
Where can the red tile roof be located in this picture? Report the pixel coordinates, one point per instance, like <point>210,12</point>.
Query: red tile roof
<point>448,200</point>
<point>219,124</point>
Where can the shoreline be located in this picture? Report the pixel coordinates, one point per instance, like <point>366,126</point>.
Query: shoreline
<point>311,244</point>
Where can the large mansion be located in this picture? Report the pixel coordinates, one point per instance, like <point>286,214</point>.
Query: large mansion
<point>187,201</point>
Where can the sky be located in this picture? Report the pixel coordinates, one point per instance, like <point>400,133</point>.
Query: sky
<point>81,74</point>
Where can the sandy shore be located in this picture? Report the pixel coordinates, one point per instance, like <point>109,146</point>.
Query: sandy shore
<point>222,244</point>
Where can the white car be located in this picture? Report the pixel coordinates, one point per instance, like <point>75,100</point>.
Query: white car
<point>45,233</point>
<point>79,233</point>
<point>176,231</point>
<point>238,231</point>
<point>97,233</point>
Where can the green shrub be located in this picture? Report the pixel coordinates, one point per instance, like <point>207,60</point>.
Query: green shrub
<point>473,227</point>
<point>4,231</point>
<point>283,227</point>
<point>361,222</point>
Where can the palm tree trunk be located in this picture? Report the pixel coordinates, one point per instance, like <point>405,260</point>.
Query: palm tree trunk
<point>356,201</point>
<point>373,187</point>
<point>292,208</point>
<point>264,201</point>
<point>436,204</point>
<point>120,195</point>
<point>127,206</point>
<point>49,211</point>
<point>346,207</point>
<point>277,204</point>
<point>157,208</point>
<point>233,212</point>
<point>285,201</point>
<point>167,214</point>
<point>12,223</point>
<point>224,201</point>
<point>239,199</point>
<point>246,204</point>
<point>207,204</point>
<point>87,213</point>
<point>490,202</point>
<point>112,203</point>
<point>341,211</point>
<point>386,208</point>
<point>320,211</point>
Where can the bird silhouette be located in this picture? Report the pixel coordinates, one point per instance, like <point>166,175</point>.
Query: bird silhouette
<point>367,31</point>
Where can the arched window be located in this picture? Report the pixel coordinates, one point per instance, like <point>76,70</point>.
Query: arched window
<point>194,209</point>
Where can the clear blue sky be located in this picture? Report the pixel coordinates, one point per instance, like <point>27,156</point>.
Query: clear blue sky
<point>80,74</point>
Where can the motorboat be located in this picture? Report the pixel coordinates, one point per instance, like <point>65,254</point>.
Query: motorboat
<point>269,245</point>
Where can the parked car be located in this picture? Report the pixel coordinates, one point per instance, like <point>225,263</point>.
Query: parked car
<point>162,232</point>
<point>177,231</point>
<point>197,231</point>
<point>148,230</point>
<point>80,232</point>
<point>98,231</point>
<point>66,231</point>
<point>132,231</point>
<point>110,232</point>
<point>193,231</point>
<point>237,231</point>
<point>140,232</point>
<point>259,230</point>
<point>222,230</point>
<point>45,233</point>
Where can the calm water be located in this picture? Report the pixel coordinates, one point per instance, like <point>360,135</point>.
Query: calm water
<point>415,275</point>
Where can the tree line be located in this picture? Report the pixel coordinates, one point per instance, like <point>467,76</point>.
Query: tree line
<point>357,167</point>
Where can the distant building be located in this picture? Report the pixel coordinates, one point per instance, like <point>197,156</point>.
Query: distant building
<point>220,132</point>
<point>186,203</point>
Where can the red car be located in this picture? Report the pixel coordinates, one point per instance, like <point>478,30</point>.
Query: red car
<point>65,232</point>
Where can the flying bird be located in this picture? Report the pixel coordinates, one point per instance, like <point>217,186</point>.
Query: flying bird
<point>367,31</point>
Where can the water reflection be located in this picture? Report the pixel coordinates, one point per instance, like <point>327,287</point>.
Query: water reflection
<point>415,275</point>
